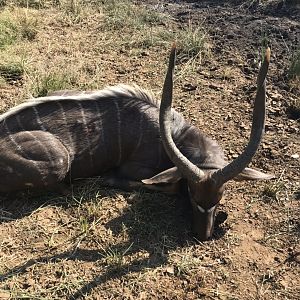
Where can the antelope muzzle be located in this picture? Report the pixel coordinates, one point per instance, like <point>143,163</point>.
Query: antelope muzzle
<point>203,222</point>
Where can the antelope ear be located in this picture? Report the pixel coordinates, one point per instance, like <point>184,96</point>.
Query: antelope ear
<point>171,175</point>
<point>251,174</point>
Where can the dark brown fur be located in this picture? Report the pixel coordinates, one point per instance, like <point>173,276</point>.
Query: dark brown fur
<point>55,139</point>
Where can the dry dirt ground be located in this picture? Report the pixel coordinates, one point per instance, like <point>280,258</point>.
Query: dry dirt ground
<point>108,244</point>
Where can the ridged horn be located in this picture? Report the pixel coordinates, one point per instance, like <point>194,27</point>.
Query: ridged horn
<point>257,130</point>
<point>187,168</point>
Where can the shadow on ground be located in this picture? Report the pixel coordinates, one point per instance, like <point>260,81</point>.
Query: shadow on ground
<point>156,224</point>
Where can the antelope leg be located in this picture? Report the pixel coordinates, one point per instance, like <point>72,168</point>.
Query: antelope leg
<point>114,181</point>
<point>35,159</point>
<point>121,183</point>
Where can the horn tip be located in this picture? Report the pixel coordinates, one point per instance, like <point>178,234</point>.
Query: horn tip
<point>172,57</point>
<point>173,49</point>
<point>268,55</point>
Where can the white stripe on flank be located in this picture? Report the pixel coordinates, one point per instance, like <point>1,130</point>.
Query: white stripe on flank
<point>10,136</point>
<point>140,133</point>
<point>119,132</point>
<point>67,131</point>
<point>51,159</point>
<point>99,127</point>
<point>99,124</point>
<point>114,92</point>
<point>44,148</point>
<point>38,119</point>
<point>86,131</point>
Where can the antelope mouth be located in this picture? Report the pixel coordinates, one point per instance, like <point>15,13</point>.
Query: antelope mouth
<point>210,227</point>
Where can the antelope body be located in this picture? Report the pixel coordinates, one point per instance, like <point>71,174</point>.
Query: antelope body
<point>121,132</point>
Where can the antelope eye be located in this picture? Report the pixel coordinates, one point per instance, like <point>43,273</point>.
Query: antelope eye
<point>201,209</point>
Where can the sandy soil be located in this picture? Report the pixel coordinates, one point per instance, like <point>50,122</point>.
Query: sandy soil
<point>108,244</point>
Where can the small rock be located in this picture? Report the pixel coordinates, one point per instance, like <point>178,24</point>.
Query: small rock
<point>214,87</point>
<point>144,53</point>
<point>244,126</point>
<point>295,156</point>
<point>275,95</point>
<point>230,61</point>
<point>284,283</point>
<point>277,259</point>
<point>204,73</point>
<point>264,146</point>
<point>248,70</point>
<point>274,153</point>
<point>228,117</point>
<point>121,71</point>
<point>170,270</point>
<point>189,87</point>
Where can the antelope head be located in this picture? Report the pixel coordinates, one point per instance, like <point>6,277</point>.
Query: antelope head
<point>206,187</point>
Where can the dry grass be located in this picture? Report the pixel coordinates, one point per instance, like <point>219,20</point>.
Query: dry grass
<point>106,244</point>
<point>294,70</point>
<point>294,108</point>
<point>294,74</point>
<point>33,38</point>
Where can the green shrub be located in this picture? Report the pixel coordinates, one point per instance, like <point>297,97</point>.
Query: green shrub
<point>43,85</point>
<point>16,24</point>
<point>12,71</point>
<point>294,70</point>
<point>8,31</point>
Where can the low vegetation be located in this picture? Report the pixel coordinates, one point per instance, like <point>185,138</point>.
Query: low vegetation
<point>102,243</point>
<point>142,30</point>
<point>295,65</point>
<point>12,71</point>
<point>294,74</point>
<point>16,25</point>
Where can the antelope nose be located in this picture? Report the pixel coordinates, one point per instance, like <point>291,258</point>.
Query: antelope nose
<point>204,234</point>
<point>203,224</point>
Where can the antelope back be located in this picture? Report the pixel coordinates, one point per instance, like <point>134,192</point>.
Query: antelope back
<point>100,130</point>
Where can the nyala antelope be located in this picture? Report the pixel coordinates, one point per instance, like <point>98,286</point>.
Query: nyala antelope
<point>130,138</point>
